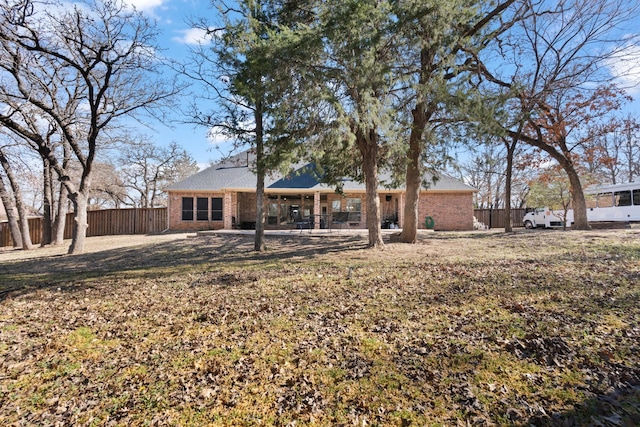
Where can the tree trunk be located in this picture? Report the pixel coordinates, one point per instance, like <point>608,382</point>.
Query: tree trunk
<point>368,145</point>
<point>154,192</point>
<point>9,207</point>
<point>80,199</point>
<point>24,222</point>
<point>63,201</point>
<point>580,221</point>
<point>410,223</point>
<point>80,202</point>
<point>508,228</point>
<point>420,114</point>
<point>46,204</point>
<point>61,217</point>
<point>259,244</point>
<point>412,175</point>
<point>22,209</point>
<point>511,148</point>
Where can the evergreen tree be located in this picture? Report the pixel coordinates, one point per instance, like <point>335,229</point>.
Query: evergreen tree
<point>249,73</point>
<point>355,69</point>
<point>441,46</point>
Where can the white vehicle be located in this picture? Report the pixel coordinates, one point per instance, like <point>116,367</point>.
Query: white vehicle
<point>605,203</point>
<point>612,203</point>
<point>543,218</point>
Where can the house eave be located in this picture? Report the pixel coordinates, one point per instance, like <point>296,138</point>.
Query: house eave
<point>314,190</point>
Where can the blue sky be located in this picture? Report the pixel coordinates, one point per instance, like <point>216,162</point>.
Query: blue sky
<point>173,16</point>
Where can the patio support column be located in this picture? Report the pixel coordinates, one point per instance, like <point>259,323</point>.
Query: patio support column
<point>279,208</point>
<point>316,210</point>
<point>401,210</point>
<point>227,211</point>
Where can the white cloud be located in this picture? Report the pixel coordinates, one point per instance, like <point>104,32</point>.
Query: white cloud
<point>216,138</point>
<point>146,5</point>
<point>220,146</point>
<point>624,66</point>
<point>194,36</point>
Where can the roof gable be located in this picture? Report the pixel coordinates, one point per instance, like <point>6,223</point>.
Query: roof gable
<point>301,178</point>
<point>236,174</point>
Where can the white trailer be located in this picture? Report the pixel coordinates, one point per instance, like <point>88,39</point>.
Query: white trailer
<point>612,203</point>
<point>606,203</point>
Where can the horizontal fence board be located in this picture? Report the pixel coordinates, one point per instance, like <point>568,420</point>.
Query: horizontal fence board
<point>496,218</point>
<point>35,230</point>
<point>108,222</point>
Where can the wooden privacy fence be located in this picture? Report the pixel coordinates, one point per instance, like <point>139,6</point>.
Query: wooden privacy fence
<point>106,222</point>
<point>496,218</point>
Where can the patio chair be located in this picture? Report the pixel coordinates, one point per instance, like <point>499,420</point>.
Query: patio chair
<point>340,219</point>
<point>302,223</point>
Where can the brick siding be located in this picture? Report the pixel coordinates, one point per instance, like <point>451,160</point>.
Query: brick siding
<point>249,210</point>
<point>175,213</point>
<point>450,211</point>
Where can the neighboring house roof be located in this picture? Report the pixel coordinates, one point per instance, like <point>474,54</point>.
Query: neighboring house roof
<point>236,174</point>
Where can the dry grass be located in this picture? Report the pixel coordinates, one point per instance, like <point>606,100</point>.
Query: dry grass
<point>532,328</point>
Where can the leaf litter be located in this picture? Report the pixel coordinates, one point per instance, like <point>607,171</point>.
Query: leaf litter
<point>460,329</point>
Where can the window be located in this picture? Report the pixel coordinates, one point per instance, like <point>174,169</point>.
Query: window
<point>623,198</point>
<point>187,208</point>
<point>335,206</point>
<point>636,197</point>
<point>354,207</point>
<point>216,209</point>
<point>605,200</point>
<point>202,213</point>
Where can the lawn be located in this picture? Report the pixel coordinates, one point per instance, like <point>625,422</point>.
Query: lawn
<point>531,328</point>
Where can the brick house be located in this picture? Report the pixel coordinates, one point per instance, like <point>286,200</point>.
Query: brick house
<point>223,196</point>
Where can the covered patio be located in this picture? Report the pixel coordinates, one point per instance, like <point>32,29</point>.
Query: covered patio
<point>316,210</point>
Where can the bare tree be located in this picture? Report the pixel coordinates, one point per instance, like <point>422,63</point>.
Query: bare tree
<point>147,169</point>
<point>485,171</point>
<point>601,153</point>
<point>107,190</point>
<point>556,58</point>
<point>24,159</point>
<point>10,208</point>
<point>19,203</point>
<point>82,66</point>
<point>33,129</point>
<point>621,147</point>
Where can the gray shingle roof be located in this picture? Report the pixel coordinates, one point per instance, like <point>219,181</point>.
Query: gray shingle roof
<point>235,174</point>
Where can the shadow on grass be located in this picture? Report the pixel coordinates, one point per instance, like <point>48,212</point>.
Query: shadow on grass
<point>149,261</point>
<point>618,407</point>
<point>611,394</point>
